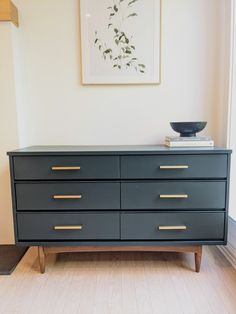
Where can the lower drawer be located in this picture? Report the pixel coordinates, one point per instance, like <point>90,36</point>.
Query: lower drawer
<point>172,226</point>
<point>68,226</point>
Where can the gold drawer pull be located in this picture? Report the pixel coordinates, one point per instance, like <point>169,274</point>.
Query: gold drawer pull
<point>68,227</point>
<point>174,167</point>
<point>173,195</point>
<point>172,228</point>
<point>65,168</point>
<point>66,197</point>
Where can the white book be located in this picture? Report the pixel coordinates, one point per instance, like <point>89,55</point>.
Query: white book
<point>190,144</point>
<point>187,139</point>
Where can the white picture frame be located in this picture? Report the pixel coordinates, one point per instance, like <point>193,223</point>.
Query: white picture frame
<point>120,41</point>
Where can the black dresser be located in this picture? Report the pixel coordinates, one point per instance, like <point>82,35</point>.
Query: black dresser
<point>113,198</point>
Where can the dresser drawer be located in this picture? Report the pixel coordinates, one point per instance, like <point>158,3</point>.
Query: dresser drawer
<point>174,166</point>
<point>67,196</point>
<point>66,167</point>
<point>172,226</point>
<point>173,195</point>
<point>68,226</point>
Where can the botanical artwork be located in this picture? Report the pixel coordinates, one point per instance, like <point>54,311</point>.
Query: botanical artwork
<point>123,54</point>
<point>120,41</point>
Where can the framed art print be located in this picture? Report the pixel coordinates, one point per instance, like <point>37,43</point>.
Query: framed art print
<point>121,41</point>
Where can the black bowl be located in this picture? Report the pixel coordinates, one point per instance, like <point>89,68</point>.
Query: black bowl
<point>188,129</point>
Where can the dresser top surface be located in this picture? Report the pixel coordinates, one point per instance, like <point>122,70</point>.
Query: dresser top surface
<point>115,150</point>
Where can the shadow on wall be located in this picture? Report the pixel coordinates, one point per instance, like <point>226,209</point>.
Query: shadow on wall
<point>6,230</point>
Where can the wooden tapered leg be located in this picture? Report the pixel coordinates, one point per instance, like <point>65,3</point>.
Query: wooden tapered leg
<point>198,258</point>
<point>41,256</point>
<point>42,251</point>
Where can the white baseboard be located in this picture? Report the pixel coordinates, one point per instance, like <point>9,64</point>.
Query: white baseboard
<point>230,249</point>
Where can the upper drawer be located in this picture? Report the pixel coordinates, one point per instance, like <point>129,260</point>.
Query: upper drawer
<point>66,167</point>
<point>68,196</point>
<point>174,166</point>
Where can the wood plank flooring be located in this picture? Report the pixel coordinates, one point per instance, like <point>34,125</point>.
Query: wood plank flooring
<point>120,283</point>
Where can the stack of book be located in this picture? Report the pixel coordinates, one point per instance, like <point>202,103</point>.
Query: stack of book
<point>196,141</point>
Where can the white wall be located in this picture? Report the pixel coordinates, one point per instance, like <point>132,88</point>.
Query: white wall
<point>54,108</point>
<point>8,129</point>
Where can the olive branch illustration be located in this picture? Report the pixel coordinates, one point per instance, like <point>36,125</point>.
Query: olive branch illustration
<point>124,54</point>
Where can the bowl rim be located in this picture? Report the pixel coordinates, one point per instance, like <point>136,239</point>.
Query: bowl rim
<point>185,122</point>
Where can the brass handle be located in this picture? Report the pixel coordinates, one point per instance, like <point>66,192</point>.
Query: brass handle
<point>56,168</point>
<point>174,167</point>
<point>172,228</point>
<point>173,195</point>
<point>68,227</point>
<point>66,197</point>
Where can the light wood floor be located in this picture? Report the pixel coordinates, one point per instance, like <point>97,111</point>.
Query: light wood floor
<point>127,283</point>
